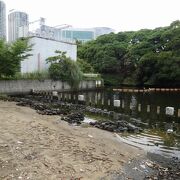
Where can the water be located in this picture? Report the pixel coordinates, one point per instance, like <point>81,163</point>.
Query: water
<point>149,107</point>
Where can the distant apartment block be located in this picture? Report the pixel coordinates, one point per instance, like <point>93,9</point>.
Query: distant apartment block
<point>17,20</point>
<point>2,20</point>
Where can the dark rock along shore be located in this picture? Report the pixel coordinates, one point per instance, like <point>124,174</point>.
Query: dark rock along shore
<point>74,114</point>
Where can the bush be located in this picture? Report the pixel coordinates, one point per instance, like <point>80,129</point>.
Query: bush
<point>11,56</point>
<point>64,69</point>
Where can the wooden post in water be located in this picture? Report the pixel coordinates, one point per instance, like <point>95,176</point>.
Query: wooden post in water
<point>69,96</point>
<point>90,101</point>
<point>74,97</point>
<point>123,104</point>
<point>178,112</point>
<point>158,109</point>
<point>51,96</point>
<point>130,106</point>
<point>139,107</point>
<point>148,108</point>
<point>81,99</point>
<point>59,98</point>
<point>96,99</point>
<point>54,95</point>
<point>102,101</point>
<point>109,102</point>
<point>46,95</point>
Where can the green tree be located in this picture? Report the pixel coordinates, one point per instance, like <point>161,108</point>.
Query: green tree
<point>11,56</point>
<point>85,66</point>
<point>156,69</point>
<point>65,69</point>
<point>145,56</point>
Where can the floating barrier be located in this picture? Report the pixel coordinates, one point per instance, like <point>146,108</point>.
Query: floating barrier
<point>148,90</point>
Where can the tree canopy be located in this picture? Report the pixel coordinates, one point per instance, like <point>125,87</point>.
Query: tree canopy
<point>148,57</point>
<point>11,56</point>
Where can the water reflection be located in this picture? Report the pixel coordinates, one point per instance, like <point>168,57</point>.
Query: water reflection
<point>150,107</point>
<point>163,133</point>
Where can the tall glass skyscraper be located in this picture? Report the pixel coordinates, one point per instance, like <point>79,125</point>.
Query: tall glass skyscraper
<point>2,20</point>
<point>16,20</point>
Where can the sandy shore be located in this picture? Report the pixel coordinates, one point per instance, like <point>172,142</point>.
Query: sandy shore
<point>34,146</point>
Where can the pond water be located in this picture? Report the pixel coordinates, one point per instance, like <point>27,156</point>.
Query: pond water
<point>150,108</point>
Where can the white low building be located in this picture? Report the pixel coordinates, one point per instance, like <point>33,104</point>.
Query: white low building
<point>44,48</point>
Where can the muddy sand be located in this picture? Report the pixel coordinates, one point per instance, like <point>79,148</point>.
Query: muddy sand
<point>34,146</point>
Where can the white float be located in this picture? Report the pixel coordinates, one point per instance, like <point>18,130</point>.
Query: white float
<point>117,103</point>
<point>55,93</point>
<point>81,98</point>
<point>170,111</point>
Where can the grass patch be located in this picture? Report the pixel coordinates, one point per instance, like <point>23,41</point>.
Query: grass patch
<point>98,117</point>
<point>89,77</point>
<point>32,76</point>
<point>4,97</point>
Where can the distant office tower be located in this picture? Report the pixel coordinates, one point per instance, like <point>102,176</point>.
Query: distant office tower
<point>2,20</point>
<point>80,34</point>
<point>16,21</point>
<point>84,34</point>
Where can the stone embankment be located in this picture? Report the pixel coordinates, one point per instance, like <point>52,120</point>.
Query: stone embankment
<point>75,113</point>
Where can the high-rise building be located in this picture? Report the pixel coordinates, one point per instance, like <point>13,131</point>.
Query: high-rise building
<point>16,20</point>
<point>2,20</point>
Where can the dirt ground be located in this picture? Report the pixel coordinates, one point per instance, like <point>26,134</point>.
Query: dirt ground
<point>38,147</point>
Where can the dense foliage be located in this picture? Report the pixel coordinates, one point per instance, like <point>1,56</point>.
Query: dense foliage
<point>11,56</point>
<point>144,57</point>
<point>65,69</point>
<point>85,66</point>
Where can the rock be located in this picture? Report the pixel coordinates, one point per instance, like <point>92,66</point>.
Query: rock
<point>169,131</point>
<point>132,128</point>
<point>74,113</point>
<point>92,123</point>
<point>77,118</point>
<point>90,136</point>
<point>122,129</point>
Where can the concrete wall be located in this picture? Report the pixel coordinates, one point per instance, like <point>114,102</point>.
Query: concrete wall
<point>25,86</point>
<point>44,48</point>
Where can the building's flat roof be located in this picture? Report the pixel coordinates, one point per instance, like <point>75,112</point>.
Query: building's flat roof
<point>52,40</point>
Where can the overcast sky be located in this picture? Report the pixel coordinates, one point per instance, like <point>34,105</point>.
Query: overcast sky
<point>120,15</point>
